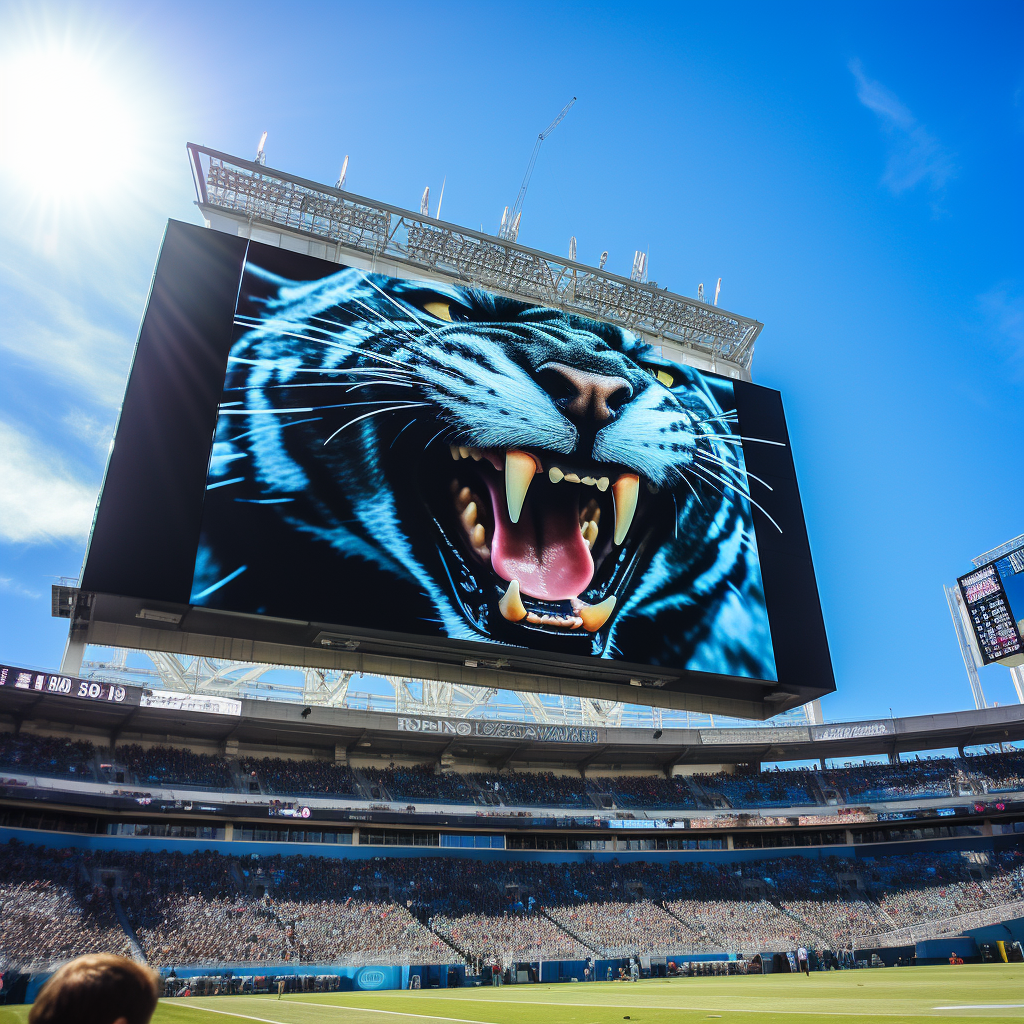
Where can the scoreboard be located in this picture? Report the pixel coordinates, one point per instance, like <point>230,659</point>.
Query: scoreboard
<point>994,597</point>
<point>67,686</point>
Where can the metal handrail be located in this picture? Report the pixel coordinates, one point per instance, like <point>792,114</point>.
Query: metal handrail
<point>264,196</point>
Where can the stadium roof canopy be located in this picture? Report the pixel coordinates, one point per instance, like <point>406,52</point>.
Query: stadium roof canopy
<point>284,727</point>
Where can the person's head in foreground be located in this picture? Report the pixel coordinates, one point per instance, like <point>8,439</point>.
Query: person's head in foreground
<point>97,989</point>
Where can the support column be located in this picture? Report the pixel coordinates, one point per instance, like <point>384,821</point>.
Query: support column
<point>71,662</point>
<point>1017,674</point>
<point>966,641</point>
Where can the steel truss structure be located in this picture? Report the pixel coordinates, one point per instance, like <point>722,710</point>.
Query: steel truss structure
<point>325,688</point>
<point>261,196</point>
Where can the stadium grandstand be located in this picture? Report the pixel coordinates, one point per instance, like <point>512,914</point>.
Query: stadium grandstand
<point>340,839</point>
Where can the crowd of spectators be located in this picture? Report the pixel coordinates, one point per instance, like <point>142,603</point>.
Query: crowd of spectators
<point>49,911</point>
<point>300,778</point>
<point>174,766</point>
<point>853,784</point>
<point>647,791</point>
<point>207,908</point>
<point>210,930</point>
<point>765,789</point>
<point>357,932</point>
<point>747,926</point>
<point>894,781</point>
<point>1004,772</point>
<point>536,789</point>
<point>510,937</point>
<point>421,782</point>
<point>46,755</point>
<point>622,929</point>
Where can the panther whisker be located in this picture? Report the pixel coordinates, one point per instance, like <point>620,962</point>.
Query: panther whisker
<point>735,474</point>
<point>374,412</point>
<point>695,494</point>
<point>385,383</point>
<point>734,469</point>
<point>335,370</point>
<point>362,353</point>
<point>399,434</point>
<point>712,419</point>
<point>725,483</point>
<point>733,438</point>
<point>275,426</point>
<point>323,384</point>
<point>398,329</point>
<point>404,309</point>
<point>447,426</point>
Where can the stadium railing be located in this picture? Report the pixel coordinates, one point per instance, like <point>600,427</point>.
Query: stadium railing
<point>944,926</point>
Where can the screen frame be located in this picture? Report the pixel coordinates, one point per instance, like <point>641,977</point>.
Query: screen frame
<point>138,568</point>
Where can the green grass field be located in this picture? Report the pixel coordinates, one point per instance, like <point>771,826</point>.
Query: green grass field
<point>994,992</point>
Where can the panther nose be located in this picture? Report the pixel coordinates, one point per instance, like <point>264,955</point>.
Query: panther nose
<point>584,396</point>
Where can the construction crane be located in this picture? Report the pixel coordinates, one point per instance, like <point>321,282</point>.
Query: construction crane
<point>509,229</point>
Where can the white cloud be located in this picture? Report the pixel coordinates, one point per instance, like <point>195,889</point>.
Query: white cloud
<point>96,433</point>
<point>40,500</point>
<point>45,329</point>
<point>12,586</point>
<point>1003,310</point>
<point>915,155</point>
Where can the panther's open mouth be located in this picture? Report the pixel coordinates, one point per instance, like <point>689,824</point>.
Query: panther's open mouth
<point>547,532</point>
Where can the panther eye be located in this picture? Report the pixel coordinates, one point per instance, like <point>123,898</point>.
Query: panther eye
<point>442,310</point>
<point>661,376</point>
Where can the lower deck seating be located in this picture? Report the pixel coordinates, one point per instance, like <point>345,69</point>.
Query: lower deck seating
<point>206,908</point>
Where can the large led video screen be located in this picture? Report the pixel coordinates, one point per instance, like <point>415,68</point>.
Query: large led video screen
<point>452,463</point>
<point>429,460</point>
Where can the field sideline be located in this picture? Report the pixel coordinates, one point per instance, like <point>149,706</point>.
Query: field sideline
<point>992,992</point>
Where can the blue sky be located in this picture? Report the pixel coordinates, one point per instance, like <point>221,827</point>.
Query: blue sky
<point>852,173</point>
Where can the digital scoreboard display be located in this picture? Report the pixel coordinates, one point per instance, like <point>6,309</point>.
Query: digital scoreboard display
<point>320,455</point>
<point>994,597</point>
<point>66,686</point>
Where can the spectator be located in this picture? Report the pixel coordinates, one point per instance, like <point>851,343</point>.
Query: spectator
<point>97,989</point>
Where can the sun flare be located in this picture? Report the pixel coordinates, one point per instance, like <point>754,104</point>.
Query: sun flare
<point>68,127</point>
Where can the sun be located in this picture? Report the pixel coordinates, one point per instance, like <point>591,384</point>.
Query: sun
<point>68,127</point>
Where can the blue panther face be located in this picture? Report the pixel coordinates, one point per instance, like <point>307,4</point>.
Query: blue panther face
<point>418,457</point>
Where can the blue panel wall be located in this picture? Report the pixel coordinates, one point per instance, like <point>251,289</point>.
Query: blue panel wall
<point>244,849</point>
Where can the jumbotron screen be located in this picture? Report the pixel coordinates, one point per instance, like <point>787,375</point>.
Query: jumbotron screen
<point>467,471</point>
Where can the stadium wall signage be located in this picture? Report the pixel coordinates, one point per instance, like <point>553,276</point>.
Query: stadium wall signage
<point>769,735</point>
<point>851,732</point>
<point>501,730</point>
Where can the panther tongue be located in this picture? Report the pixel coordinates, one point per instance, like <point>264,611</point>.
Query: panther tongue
<point>545,550</point>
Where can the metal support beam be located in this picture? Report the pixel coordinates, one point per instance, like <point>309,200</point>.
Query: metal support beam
<point>119,729</point>
<point>505,762</point>
<point>584,763</point>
